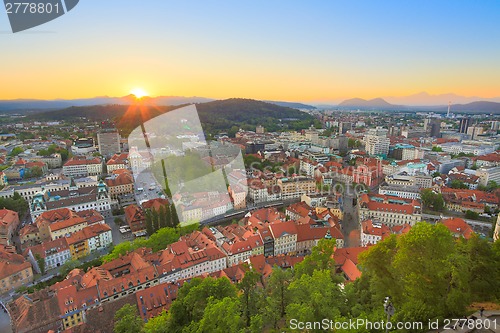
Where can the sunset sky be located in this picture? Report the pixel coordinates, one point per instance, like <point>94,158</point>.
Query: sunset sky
<point>275,50</point>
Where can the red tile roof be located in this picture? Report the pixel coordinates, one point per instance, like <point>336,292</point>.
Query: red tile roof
<point>458,226</point>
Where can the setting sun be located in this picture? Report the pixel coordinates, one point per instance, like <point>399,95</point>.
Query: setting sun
<point>138,92</point>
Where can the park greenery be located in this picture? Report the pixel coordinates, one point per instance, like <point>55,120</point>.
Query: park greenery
<point>253,162</point>
<point>16,203</point>
<point>166,216</point>
<point>159,240</point>
<point>432,200</point>
<point>427,273</point>
<point>53,148</point>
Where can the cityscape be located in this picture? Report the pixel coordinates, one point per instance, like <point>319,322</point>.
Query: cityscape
<point>87,226</point>
<point>250,167</point>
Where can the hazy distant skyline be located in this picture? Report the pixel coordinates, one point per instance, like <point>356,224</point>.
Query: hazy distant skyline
<point>309,51</point>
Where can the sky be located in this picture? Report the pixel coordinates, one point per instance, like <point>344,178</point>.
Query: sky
<point>272,49</point>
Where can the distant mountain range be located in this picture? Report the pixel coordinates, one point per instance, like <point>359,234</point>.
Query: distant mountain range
<point>382,104</point>
<point>26,104</point>
<point>293,105</point>
<point>372,103</point>
<point>37,104</point>
<point>417,102</point>
<point>426,99</point>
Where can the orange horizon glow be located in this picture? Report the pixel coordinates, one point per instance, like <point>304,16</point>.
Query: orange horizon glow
<point>140,93</point>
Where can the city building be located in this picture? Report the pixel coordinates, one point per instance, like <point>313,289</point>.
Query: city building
<point>344,127</point>
<point>66,228</point>
<point>295,187</point>
<point>9,221</point>
<point>373,231</point>
<point>377,142</point>
<point>285,237</point>
<point>81,166</point>
<point>83,146</point>
<point>119,183</point>
<point>475,131</point>
<point>435,127</point>
<point>53,253</point>
<point>389,210</point>
<point>407,192</point>
<point>464,125</point>
<point>108,143</point>
<point>118,161</point>
<point>77,199</point>
<point>15,271</point>
<point>135,218</point>
<point>406,152</point>
<point>488,174</point>
<point>52,161</point>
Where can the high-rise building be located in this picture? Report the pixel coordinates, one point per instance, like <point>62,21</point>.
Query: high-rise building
<point>377,142</point>
<point>344,127</point>
<point>312,134</point>
<point>464,125</point>
<point>427,122</point>
<point>109,143</point>
<point>495,125</point>
<point>474,131</point>
<point>435,128</point>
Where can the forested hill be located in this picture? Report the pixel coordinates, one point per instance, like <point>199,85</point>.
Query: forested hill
<point>217,116</point>
<point>232,114</point>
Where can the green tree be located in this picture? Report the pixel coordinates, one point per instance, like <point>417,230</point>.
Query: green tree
<point>221,316</point>
<point>158,324</point>
<point>432,200</point>
<point>437,149</point>
<point>119,250</point>
<point>456,183</point>
<point>492,185</point>
<point>16,203</point>
<point>277,290</point>
<point>248,287</point>
<point>321,258</point>
<point>16,151</point>
<point>436,174</point>
<point>149,223</point>
<point>162,238</point>
<point>432,284</point>
<point>435,282</point>
<point>315,297</point>
<point>64,154</point>
<point>41,263</point>
<point>127,320</point>
<point>155,217</point>
<point>192,299</point>
<point>469,214</point>
<point>68,266</point>
<point>175,216</point>
<point>483,266</point>
<point>162,216</point>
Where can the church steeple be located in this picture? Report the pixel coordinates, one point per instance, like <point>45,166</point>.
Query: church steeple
<point>328,235</point>
<point>102,191</point>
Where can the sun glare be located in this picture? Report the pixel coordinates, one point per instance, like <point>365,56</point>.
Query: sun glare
<point>138,92</point>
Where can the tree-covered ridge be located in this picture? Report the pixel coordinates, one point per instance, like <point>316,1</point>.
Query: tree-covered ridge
<point>427,273</point>
<point>215,117</point>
